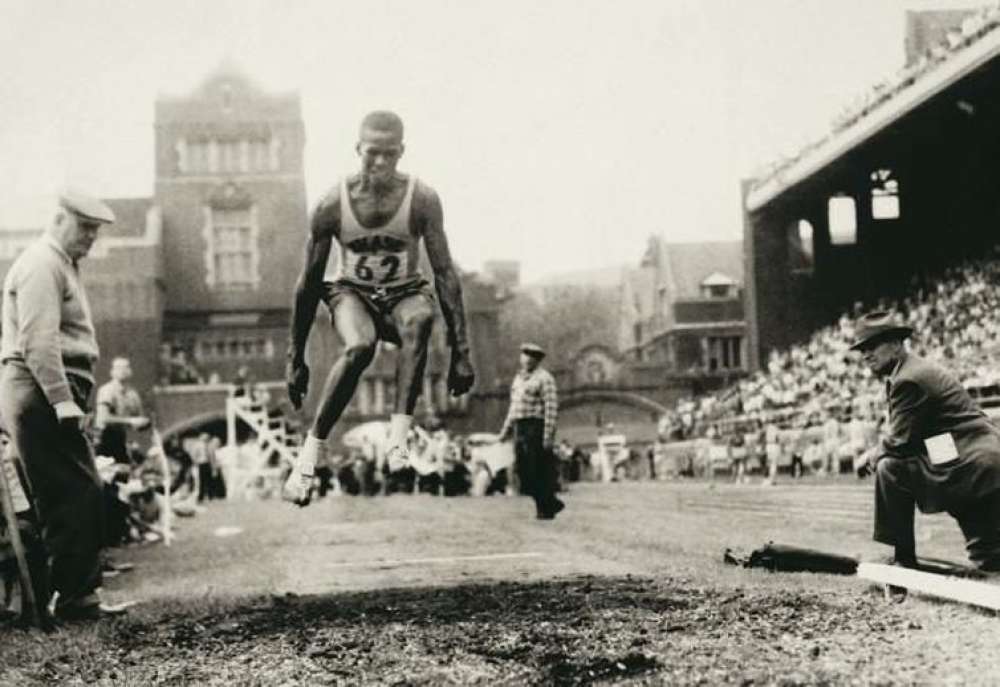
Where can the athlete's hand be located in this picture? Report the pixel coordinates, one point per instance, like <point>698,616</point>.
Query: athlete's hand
<point>460,373</point>
<point>297,377</point>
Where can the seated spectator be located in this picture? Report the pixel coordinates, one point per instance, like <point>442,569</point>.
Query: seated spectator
<point>147,506</point>
<point>814,456</point>
<point>181,369</point>
<point>457,479</point>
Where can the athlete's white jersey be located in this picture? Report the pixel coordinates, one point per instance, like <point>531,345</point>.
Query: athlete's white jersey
<point>380,257</point>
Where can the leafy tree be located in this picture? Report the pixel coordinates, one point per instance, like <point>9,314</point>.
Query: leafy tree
<point>562,319</point>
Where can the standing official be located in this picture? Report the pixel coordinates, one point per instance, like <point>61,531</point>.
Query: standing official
<point>119,408</point>
<point>49,350</point>
<point>940,453</point>
<point>531,420</point>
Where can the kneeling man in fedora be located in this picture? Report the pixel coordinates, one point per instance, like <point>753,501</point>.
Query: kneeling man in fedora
<point>940,452</point>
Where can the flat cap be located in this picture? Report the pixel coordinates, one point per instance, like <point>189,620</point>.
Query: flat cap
<point>533,350</point>
<point>86,206</point>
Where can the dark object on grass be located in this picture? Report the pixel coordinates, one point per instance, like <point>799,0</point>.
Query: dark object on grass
<point>784,558</point>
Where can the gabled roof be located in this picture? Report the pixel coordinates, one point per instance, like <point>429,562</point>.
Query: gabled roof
<point>969,47</point>
<point>227,95</point>
<point>690,264</point>
<point>719,279</point>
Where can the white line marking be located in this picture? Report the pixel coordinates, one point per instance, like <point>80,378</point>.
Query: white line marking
<point>389,562</point>
<point>957,589</point>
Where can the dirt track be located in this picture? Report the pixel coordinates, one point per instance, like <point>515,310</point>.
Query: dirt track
<point>573,631</point>
<point>627,588</point>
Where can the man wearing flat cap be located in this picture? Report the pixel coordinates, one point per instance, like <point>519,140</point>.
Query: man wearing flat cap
<point>940,452</point>
<point>531,420</point>
<point>49,349</point>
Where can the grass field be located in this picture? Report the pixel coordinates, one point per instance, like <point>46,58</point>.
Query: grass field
<point>627,586</point>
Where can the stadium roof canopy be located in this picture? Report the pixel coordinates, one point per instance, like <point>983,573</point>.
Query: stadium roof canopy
<point>900,191</point>
<point>913,86</point>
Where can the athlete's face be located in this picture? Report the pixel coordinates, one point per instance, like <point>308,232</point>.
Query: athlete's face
<point>380,152</point>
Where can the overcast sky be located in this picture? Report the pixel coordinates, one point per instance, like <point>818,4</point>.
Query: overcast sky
<point>560,133</point>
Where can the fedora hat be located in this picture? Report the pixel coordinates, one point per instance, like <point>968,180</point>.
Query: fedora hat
<point>878,326</point>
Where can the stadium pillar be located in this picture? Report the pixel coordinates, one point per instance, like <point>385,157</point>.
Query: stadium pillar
<point>750,281</point>
<point>765,255</point>
<point>867,242</point>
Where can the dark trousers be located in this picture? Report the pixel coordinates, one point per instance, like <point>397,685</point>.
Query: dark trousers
<point>206,488</point>
<point>218,484</point>
<point>900,486</point>
<point>535,468</point>
<point>63,478</point>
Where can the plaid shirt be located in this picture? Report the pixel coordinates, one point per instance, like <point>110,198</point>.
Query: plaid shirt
<point>533,394</point>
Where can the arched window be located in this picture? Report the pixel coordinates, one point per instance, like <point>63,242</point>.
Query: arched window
<point>801,252</point>
<point>885,195</point>
<point>843,216</point>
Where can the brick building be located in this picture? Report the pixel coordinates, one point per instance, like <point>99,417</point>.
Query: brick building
<point>231,189</point>
<point>683,307</point>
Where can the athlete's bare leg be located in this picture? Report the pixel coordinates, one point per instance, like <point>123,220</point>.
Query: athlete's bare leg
<point>356,330</point>
<point>414,320</point>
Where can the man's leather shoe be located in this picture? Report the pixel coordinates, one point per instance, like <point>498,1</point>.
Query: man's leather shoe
<point>552,511</point>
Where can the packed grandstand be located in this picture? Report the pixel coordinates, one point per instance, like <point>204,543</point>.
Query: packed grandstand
<point>956,322</point>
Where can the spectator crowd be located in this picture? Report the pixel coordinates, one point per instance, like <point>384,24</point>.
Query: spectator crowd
<point>815,405</point>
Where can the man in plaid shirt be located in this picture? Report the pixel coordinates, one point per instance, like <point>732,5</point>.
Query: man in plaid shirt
<point>531,420</point>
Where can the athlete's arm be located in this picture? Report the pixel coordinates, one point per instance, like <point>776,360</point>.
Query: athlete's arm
<point>308,290</point>
<point>446,281</point>
<point>309,287</point>
<point>449,290</point>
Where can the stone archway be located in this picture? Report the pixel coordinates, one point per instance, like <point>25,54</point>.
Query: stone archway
<point>585,412</point>
<point>191,423</point>
<point>628,398</point>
